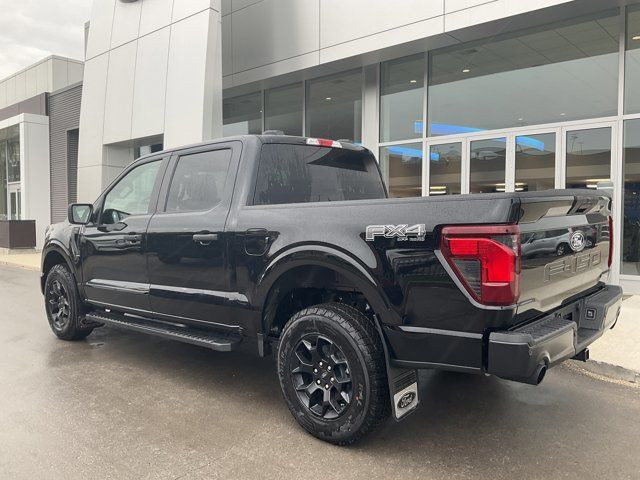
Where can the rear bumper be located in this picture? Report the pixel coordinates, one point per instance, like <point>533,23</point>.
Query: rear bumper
<point>524,354</point>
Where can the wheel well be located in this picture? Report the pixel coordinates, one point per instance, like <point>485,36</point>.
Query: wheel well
<point>302,287</point>
<point>52,259</point>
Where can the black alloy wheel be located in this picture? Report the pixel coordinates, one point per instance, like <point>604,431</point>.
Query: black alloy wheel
<point>321,376</point>
<point>58,305</point>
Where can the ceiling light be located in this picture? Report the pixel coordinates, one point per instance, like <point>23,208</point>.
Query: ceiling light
<point>636,37</point>
<point>562,114</point>
<point>328,98</point>
<point>520,119</point>
<point>465,70</point>
<point>413,81</point>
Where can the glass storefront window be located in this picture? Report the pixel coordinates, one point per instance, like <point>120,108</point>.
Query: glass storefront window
<point>445,167</point>
<point>535,162</point>
<point>242,115</point>
<point>402,168</point>
<point>283,109</point>
<point>632,61</point>
<point>557,72</point>
<point>588,158</point>
<point>401,98</point>
<point>334,106</point>
<point>487,165</point>
<point>630,254</point>
<point>3,179</point>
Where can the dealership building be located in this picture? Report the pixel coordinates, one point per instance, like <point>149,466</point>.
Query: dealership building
<point>453,96</point>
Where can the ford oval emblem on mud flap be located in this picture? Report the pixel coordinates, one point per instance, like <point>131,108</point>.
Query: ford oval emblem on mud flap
<point>577,241</point>
<point>406,400</point>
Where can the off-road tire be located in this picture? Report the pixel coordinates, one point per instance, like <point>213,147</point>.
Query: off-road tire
<point>71,328</point>
<point>360,343</point>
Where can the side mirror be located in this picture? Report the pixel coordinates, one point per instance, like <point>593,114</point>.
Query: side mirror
<point>80,213</point>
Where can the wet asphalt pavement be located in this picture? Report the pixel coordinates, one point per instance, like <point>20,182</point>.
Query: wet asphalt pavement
<point>124,405</point>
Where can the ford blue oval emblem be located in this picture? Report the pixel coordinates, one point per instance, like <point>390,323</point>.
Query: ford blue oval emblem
<point>406,400</point>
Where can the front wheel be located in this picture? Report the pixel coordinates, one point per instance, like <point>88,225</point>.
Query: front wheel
<point>332,372</point>
<point>63,305</point>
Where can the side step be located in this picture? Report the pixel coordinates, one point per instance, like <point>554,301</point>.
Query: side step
<point>220,341</point>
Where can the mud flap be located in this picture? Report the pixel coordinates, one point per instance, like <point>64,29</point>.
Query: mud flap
<point>403,384</point>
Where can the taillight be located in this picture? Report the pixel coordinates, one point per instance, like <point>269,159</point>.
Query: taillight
<point>610,261</point>
<point>324,142</point>
<point>486,259</point>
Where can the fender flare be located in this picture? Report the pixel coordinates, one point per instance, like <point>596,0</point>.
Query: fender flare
<point>57,247</point>
<point>327,257</point>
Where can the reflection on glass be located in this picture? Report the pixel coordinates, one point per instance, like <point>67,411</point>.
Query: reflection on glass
<point>556,72</point>
<point>401,92</point>
<point>3,180</point>
<point>283,109</point>
<point>535,162</point>
<point>445,166</point>
<point>487,159</point>
<point>589,158</point>
<point>334,106</point>
<point>242,115</point>
<point>631,226</point>
<point>402,169</point>
<point>632,61</point>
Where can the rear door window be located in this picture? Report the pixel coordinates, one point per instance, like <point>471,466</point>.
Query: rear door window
<point>198,181</point>
<point>308,173</point>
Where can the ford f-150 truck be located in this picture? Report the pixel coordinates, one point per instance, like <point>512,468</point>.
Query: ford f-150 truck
<point>291,245</point>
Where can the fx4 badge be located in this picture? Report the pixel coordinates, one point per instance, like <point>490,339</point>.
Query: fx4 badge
<point>415,233</point>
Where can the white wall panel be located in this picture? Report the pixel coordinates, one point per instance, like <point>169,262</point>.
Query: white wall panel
<point>150,84</point>
<point>59,73</point>
<point>119,98</point>
<point>238,4</point>
<point>184,8</point>
<point>74,72</point>
<point>274,30</point>
<point>342,21</point>
<point>20,80</point>
<point>455,5</point>
<point>126,22</point>
<point>11,90</point>
<point>227,52</point>
<point>226,7</point>
<point>90,181</point>
<point>92,115</point>
<point>31,83</point>
<point>42,76</point>
<point>155,14</point>
<point>3,95</point>
<point>184,114</point>
<point>101,24</point>
<point>35,176</point>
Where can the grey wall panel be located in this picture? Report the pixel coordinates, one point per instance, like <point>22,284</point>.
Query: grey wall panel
<point>36,105</point>
<point>64,119</point>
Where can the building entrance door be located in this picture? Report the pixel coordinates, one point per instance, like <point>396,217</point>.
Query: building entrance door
<point>15,202</point>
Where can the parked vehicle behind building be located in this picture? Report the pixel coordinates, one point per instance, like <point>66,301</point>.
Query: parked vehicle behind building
<point>263,243</point>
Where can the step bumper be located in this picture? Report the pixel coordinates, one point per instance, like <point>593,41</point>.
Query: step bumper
<point>523,354</point>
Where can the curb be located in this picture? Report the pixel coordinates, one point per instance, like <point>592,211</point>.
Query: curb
<point>17,265</point>
<point>604,369</point>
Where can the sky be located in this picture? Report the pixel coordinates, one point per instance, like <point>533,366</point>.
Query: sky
<point>33,29</point>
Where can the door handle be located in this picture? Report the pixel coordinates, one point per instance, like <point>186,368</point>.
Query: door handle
<point>205,238</point>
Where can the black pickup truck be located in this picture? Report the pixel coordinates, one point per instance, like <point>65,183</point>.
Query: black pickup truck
<point>289,244</point>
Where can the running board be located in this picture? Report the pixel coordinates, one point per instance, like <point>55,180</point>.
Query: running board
<point>223,342</point>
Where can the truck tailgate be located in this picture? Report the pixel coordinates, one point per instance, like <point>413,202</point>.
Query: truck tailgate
<point>565,240</point>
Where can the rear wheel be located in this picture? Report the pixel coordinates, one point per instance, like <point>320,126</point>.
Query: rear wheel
<point>63,305</point>
<point>332,372</point>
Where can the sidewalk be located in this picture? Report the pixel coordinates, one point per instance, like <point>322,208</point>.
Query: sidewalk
<point>616,354</point>
<point>30,261</point>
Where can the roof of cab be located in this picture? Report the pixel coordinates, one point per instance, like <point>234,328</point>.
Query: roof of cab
<point>285,139</point>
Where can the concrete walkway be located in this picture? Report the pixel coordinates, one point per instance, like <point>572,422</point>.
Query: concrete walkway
<point>30,261</point>
<point>616,354</point>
